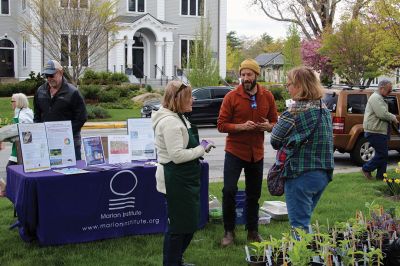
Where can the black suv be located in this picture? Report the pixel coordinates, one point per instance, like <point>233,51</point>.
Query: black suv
<point>206,104</point>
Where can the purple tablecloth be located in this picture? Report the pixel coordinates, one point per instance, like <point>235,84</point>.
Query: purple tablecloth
<point>59,209</point>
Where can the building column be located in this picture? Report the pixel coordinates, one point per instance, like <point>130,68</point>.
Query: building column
<point>159,58</point>
<point>117,63</point>
<point>169,48</point>
<point>129,54</point>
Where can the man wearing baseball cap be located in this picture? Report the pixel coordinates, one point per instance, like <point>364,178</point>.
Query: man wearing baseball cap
<point>243,115</point>
<point>58,100</point>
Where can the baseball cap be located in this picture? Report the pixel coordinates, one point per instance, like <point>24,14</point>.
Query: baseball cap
<point>51,67</point>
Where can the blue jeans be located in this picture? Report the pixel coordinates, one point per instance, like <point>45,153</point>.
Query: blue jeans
<point>253,172</point>
<point>302,194</point>
<point>379,162</point>
<point>174,247</point>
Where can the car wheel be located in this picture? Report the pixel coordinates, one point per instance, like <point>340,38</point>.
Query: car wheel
<point>362,151</point>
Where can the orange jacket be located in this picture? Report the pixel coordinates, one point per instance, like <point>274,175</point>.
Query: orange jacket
<point>236,109</point>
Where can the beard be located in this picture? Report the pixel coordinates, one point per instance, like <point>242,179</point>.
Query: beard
<point>248,86</point>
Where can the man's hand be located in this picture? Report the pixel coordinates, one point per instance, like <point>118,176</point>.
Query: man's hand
<point>265,126</point>
<point>249,125</point>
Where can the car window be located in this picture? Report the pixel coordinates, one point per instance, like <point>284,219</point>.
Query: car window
<point>220,93</point>
<point>392,104</point>
<point>356,103</point>
<point>202,94</point>
<point>330,100</point>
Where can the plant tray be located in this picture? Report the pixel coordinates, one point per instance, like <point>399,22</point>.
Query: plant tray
<point>277,209</point>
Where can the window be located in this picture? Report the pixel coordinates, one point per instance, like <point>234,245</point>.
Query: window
<point>186,49</point>
<point>24,42</point>
<point>5,7</point>
<point>136,5</point>
<point>202,94</point>
<point>23,4</point>
<point>192,7</point>
<point>74,50</point>
<point>330,100</point>
<point>220,93</point>
<point>356,103</point>
<point>392,104</point>
<point>74,3</point>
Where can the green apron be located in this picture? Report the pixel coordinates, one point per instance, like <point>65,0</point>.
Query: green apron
<point>14,146</point>
<point>182,184</point>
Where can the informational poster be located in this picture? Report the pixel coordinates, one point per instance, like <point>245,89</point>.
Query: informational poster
<point>61,144</point>
<point>94,152</point>
<point>118,149</point>
<point>34,147</point>
<point>141,137</point>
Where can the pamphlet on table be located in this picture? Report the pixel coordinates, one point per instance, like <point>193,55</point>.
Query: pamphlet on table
<point>118,149</point>
<point>94,152</point>
<point>61,144</point>
<point>141,136</point>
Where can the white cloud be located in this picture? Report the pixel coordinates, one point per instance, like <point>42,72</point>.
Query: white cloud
<point>249,21</point>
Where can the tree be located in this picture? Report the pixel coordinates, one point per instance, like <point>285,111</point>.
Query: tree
<point>385,16</point>
<point>350,50</point>
<point>311,57</point>
<point>74,34</point>
<point>313,17</point>
<point>203,67</point>
<point>233,40</point>
<point>291,49</point>
<point>265,44</point>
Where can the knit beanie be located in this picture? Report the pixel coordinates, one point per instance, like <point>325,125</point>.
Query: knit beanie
<point>250,64</point>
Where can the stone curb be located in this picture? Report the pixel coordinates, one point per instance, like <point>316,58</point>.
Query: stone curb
<point>104,125</point>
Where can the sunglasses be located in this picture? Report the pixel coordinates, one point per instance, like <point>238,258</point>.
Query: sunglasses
<point>49,75</point>
<point>253,103</point>
<point>183,86</point>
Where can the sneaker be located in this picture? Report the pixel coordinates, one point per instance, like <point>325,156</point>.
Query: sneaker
<point>254,236</point>
<point>228,239</point>
<point>366,174</point>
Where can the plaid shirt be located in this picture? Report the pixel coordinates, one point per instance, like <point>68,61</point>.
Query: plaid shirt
<point>293,128</point>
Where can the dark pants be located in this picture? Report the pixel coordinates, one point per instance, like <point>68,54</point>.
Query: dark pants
<point>253,179</point>
<point>11,163</point>
<point>174,247</point>
<point>379,162</point>
<point>77,146</point>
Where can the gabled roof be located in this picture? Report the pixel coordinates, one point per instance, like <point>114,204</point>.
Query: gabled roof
<point>132,19</point>
<point>270,59</point>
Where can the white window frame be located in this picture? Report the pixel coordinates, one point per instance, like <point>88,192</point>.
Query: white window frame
<point>136,7</point>
<point>197,9</point>
<point>69,49</point>
<point>188,39</point>
<point>79,4</point>
<point>9,8</point>
<point>24,51</point>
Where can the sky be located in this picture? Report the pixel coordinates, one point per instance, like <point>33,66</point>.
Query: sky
<point>252,22</point>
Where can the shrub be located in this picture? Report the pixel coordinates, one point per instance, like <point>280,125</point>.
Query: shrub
<point>109,96</point>
<point>103,77</point>
<point>90,92</point>
<point>121,104</point>
<point>149,88</point>
<point>279,92</point>
<point>96,112</point>
<point>26,87</point>
<point>119,77</point>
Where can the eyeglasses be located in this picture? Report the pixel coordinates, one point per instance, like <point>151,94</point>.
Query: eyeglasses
<point>253,103</point>
<point>12,101</point>
<point>49,75</point>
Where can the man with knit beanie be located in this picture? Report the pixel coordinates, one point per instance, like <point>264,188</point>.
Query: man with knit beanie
<point>243,115</point>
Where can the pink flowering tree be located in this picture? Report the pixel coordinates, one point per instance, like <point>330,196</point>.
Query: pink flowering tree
<point>314,59</point>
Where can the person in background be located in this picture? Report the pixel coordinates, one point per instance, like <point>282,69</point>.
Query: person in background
<point>377,122</point>
<point>178,171</point>
<point>58,100</point>
<point>304,133</point>
<point>244,115</point>
<point>22,114</point>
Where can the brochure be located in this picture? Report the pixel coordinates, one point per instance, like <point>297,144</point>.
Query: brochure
<point>61,144</point>
<point>34,147</point>
<point>71,171</point>
<point>94,152</point>
<point>141,137</point>
<point>118,149</point>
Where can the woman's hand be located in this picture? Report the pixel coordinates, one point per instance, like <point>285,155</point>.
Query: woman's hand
<point>207,145</point>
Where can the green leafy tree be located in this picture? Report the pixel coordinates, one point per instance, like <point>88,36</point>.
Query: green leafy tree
<point>234,41</point>
<point>385,16</point>
<point>234,53</point>
<point>291,49</point>
<point>72,35</point>
<point>350,50</point>
<point>203,67</point>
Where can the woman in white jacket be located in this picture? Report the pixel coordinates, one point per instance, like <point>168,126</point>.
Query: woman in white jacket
<point>178,172</point>
<point>22,114</point>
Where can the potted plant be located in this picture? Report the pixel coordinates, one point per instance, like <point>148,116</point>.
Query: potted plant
<point>256,253</point>
<point>298,252</point>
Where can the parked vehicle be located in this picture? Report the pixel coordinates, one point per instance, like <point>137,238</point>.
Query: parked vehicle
<point>206,104</point>
<point>347,106</point>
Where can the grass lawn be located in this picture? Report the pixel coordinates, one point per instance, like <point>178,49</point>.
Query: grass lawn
<point>116,114</point>
<point>344,195</point>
